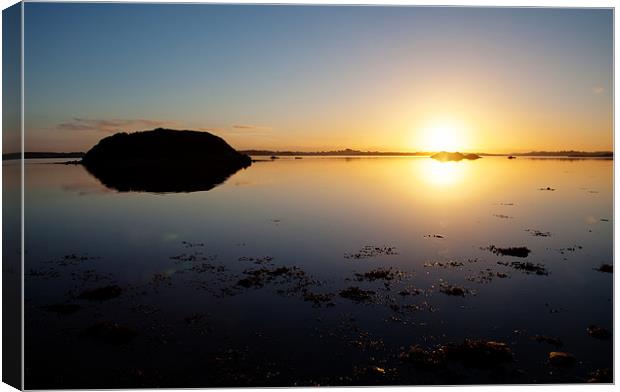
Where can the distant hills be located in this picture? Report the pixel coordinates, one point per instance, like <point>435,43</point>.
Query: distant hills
<point>345,152</point>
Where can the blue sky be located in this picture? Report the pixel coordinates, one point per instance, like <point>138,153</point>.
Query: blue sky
<point>310,77</point>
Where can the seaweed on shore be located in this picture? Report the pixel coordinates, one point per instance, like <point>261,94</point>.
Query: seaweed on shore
<point>386,274</point>
<point>371,251</point>
<point>515,251</point>
<point>527,267</point>
<point>444,264</point>
<point>453,290</point>
<point>470,353</point>
<point>538,233</point>
<point>356,294</point>
<point>318,299</point>
<point>561,359</point>
<point>598,332</point>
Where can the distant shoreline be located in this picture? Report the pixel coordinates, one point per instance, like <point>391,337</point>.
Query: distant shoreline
<point>41,155</point>
<point>348,152</point>
<point>342,153</point>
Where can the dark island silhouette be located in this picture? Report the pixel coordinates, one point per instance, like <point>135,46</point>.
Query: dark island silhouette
<point>163,160</point>
<point>445,156</point>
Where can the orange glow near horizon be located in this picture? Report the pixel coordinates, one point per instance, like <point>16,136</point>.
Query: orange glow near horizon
<point>441,135</point>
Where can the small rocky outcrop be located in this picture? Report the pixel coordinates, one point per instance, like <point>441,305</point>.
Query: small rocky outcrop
<point>445,156</point>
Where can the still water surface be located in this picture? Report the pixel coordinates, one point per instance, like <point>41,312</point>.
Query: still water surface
<point>204,299</point>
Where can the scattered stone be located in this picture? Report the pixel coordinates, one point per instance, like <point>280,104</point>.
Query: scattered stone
<point>194,257</point>
<point>601,376</point>
<point>537,233</point>
<point>598,332</point>
<point>422,358</point>
<point>486,276</point>
<point>517,251</point>
<point>377,369</point>
<point>258,277</point>
<point>502,216</point>
<point>569,249</point>
<point>410,291</point>
<point>318,299</point>
<point>379,274</point>
<point>356,294</point>
<point>561,359</point>
<point>101,293</point>
<point>453,290</point>
<point>371,251</point>
<point>527,267</point>
<point>447,264</point>
<point>188,244</point>
<point>257,260</point>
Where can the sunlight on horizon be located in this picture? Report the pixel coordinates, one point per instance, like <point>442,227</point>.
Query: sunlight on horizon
<point>441,135</point>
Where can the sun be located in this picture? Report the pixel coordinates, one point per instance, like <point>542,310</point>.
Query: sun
<point>441,136</point>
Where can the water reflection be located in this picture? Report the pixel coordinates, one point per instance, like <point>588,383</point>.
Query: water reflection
<point>162,179</point>
<point>212,283</point>
<point>443,174</point>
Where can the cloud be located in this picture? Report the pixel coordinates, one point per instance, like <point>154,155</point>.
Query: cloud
<point>211,129</point>
<point>112,125</point>
<point>250,127</point>
<point>597,89</point>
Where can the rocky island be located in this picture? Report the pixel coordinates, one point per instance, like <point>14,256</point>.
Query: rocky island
<point>163,160</point>
<point>453,156</point>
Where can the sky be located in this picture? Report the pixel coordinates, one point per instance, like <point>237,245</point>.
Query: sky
<point>321,77</point>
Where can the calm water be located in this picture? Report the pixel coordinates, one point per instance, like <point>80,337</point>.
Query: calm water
<point>203,299</point>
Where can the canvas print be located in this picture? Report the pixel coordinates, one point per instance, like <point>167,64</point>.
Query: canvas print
<point>225,195</point>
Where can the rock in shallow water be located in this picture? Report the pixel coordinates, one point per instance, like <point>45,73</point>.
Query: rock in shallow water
<point>561,359</point>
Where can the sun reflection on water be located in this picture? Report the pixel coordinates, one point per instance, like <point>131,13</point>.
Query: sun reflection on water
<point>443,174</point>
